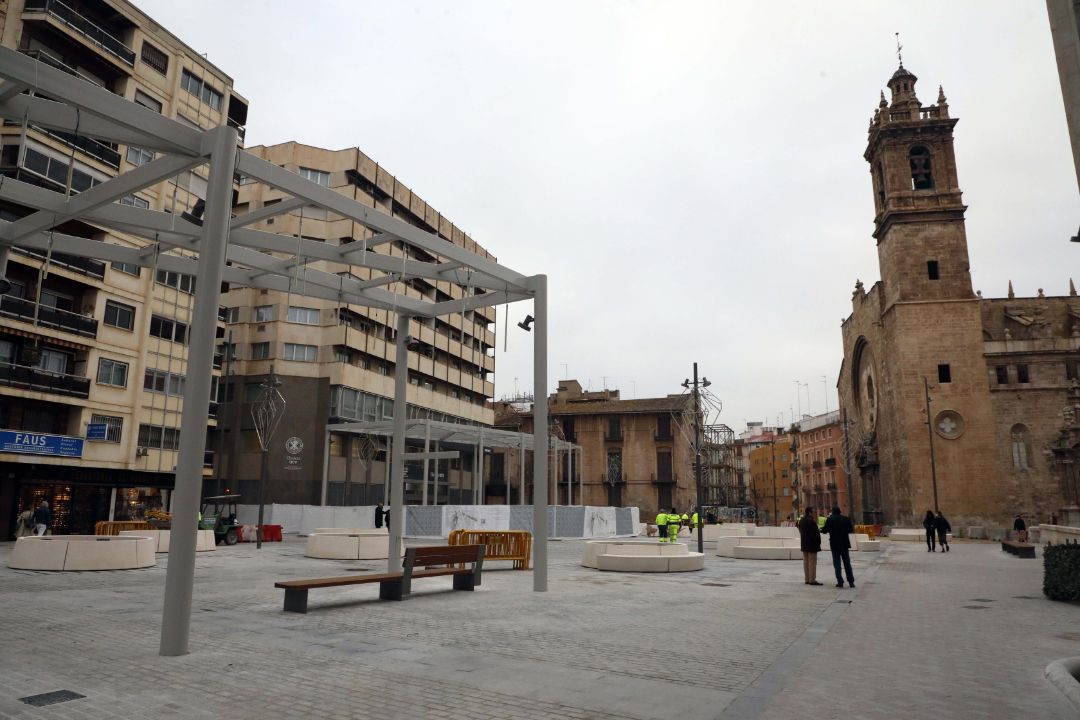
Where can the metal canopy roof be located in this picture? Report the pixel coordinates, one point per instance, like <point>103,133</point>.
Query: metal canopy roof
<point>445,432</point>
<point>224,249</point>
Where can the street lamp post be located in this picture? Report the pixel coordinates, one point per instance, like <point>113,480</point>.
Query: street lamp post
<point>266,413</point>
<point>930,434</point>
<point>697,450</point>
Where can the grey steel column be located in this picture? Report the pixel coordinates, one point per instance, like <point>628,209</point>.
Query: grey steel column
<point>521,466</point>
<point>326,463</point>
<point>480,497</point>
<point>397,467</point>
<point>180,575</point>
<point>540,435</point>
<point>427,449</point>
<point>570,475</point>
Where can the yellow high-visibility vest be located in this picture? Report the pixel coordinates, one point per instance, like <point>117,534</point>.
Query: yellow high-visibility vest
<point>661,518</point>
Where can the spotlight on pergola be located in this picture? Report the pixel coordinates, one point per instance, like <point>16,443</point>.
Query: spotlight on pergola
<point>526,324</point>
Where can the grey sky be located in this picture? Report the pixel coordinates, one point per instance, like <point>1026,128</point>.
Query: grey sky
<point>689,174</point>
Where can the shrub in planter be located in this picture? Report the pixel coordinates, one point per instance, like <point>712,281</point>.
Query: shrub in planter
<point>1061,571</point>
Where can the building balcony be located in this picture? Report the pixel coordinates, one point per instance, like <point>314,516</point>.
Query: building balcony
<point>20,309</point>
<point>213,411</point>
<point>53,61</point>
<point>662,435</point>
<point>32,378</point>
<point>665,479</point>
<point>103,153</point>
<point>84,27</point>
<point>75,263</point>
<point>817,464</point>
<point>830,462</point>
<point>613,436</point>
<point>208,459</point>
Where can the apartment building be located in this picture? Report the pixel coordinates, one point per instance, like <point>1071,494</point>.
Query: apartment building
<point>336,361</point>
<point>822,482</point>
<point>93,355</point>
<point>769,461</point>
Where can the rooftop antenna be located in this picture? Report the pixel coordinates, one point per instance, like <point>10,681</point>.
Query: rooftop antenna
<point>899,47</point>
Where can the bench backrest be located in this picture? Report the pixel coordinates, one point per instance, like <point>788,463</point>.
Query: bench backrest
<point>443,555</point>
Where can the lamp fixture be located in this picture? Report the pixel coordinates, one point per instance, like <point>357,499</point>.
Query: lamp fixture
<point>411,343</point>
<point>526,324</point>
<point>705,382</point>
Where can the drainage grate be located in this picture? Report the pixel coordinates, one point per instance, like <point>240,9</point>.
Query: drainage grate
<point>1026,597</point>
<point>976,607</point>
<point>981,600</point>
<point>1069,636</point>
<point>716,584</point>
<point>50,698</point>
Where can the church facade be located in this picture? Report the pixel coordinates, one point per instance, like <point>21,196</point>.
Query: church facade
<point>954,402</point>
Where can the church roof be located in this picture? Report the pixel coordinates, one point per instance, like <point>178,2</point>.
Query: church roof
<point>903,72</point>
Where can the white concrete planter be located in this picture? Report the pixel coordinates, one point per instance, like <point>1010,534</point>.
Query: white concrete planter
<point>641,556</point>
<point>82,552</point>
<point>204,543</point>
<point>348,544</point>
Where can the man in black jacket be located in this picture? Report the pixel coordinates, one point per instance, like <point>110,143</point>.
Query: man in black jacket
<point>379,515</point>
<point>839,529</point>
<point>810,544</point>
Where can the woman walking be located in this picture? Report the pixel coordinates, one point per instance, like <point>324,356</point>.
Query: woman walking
<point>943,529</point>
<point>929,525</point>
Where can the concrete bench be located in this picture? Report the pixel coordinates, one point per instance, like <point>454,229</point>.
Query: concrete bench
<point>398,585</point>
<point>651,563</point>
<point>635,548</point>
<point>1019,549</point>
<point>760,552</point>
<point>343,545</point>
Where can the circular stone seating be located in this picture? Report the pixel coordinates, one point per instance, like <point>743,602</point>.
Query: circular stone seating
<point>204,543</point>
<point>349,544</point>
<point>641,556</point>
<point>82,552</point>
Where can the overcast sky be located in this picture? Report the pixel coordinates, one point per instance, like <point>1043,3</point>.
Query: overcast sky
<point>688,174</point>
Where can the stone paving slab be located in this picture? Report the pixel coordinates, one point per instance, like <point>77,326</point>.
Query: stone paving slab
<point>597,645</point>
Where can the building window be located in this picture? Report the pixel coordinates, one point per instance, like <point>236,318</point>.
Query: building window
<point>180,281</point>
<point>232,315</point>
<point>227,351</point>
<point>155,58</point>
<point>165,383</point>
<point>135,201</point>
<point>932,270</point>
<point>127,268</point>
<point>316,176</point>
<point>147,102</point>
<point>663,467</point>
<point>119,315</point>
<point>304,316</point>
<point>158,437</point>
<point>112,372</point>
<point>138,156</point>
<point>614,433</point>
<point>922,177</point>
<point>264,313</point>
<point>1072,370</point>
<point>1022,375</point>
<point>114,426</point>
<point>300,353</point>
<point>260,351</point>
<point>168,329</point>
<point>614,467</point>
<point>1021,446</point>
<point>201,90</point>
<point>944,373</point>
<point>1001,372</point>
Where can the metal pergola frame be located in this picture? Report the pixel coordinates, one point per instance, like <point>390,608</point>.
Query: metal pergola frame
<point>428,431</point>
<point>229,251</point>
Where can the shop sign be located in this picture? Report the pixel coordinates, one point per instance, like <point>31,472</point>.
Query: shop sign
<point>294,454</point>
<point>15,441</point>
<point>97,431</point>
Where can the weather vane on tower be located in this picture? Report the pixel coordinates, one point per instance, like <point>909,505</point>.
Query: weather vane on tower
<point>899,47</point>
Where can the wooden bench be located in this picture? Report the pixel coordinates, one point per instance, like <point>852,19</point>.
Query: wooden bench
<point>398,585</point>
<point>1019,549</point>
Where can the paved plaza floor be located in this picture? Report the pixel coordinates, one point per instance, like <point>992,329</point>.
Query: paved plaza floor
<point>961,635</point>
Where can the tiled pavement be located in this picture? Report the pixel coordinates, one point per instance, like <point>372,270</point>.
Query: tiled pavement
<point>740,639</point>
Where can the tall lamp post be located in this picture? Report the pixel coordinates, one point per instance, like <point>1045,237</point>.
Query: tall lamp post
<point>704,382</point>
<point>266,413</point>
<point>930,434</point>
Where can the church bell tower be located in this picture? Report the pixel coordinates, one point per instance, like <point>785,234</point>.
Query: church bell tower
<point>919,214</point>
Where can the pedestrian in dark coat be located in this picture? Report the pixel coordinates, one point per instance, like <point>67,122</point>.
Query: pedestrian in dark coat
<point>1021,529</point>
<point>379,514</point>
<point>943,529</point>
<point>928,525</point>
<point>839,529</point>
<point>42,518</point>
<point>810,544</point>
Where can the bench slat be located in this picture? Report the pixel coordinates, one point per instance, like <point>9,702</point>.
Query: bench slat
<point>363,579</point>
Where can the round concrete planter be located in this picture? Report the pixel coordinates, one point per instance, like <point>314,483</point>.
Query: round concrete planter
<point>638,556</point>
<point>204,543</point>
<point>348,544</point>
<point>82,552</point>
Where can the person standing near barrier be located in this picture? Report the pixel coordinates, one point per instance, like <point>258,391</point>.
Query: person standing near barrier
<point>695,521</point>
<point>1021,529</point>
<point>810,544</point>
<point>928,525</point>
<point>378,516</point>
<point>943,529</point>
<point>673,526</point>
<point>839,529</point>
<point>661,524</point>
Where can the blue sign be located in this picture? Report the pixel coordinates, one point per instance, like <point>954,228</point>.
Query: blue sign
<point>15,441</point>
<point>97,431</point>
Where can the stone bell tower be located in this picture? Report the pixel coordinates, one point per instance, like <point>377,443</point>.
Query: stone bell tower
<point>921,324</point>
